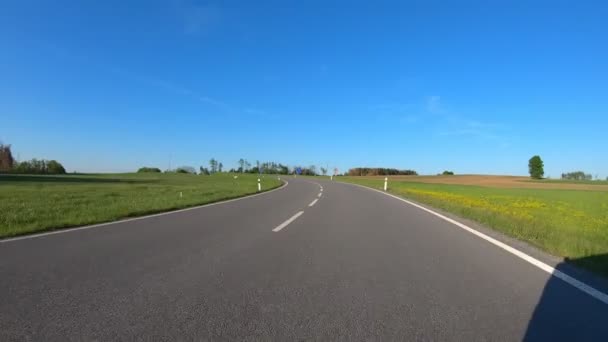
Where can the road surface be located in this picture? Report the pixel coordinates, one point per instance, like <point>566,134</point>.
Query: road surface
<point>353,265</point>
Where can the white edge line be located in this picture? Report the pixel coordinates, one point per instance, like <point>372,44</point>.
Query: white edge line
<point>313,202</point>
<point>593,292</point>
<point>73,229</point>
<point>286,223</point>
<point>313,182</point>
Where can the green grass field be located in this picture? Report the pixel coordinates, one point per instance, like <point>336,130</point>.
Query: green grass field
<point>566,223</point>
<point>31,204</point>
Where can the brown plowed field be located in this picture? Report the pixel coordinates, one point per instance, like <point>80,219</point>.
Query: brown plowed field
<point>495,181</point>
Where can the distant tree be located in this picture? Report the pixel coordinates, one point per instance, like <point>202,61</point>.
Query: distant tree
<point>186,169</point>
<point>283,169</point>
<point>147,169</point>
<point>247,165</point>
<point>305,171</point>
<point>213,165</point>
<point>7,162</point>
<point>204,171</point>
<point>220,166</point>
<point>323,171</point>
<point>241,165</point>
<point>448,173</point>
<point>55,168</point>
<point>536,167</point>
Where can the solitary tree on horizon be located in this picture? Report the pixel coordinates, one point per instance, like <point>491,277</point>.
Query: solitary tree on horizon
<point>213,165</point>
<point>536,167</point>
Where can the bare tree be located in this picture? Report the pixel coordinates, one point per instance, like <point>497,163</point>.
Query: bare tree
<point>6,158</point>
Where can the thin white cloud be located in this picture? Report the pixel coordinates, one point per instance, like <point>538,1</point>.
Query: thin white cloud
<point>433,105</point>
<point>469,132</point>
<point>392,107</point>
<point>198,18</point>
<point>214,102</point>
<point>323,69</point>
<point>409,119</point>
<point>452,124</point>
<point>396,112</point>
<point>170,87</point>
<point>254,111</point>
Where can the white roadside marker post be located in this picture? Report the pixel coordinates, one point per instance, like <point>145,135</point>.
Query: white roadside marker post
<point>259,185</point>
<point>180,194</point>
<point>385,183</point>
<point>331,177</point>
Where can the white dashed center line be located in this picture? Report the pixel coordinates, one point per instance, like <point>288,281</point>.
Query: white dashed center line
<point>313,202</point>
<point>286,223</point>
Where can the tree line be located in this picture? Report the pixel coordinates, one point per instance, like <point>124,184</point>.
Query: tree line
<point>272,168</point>
<point>577,175</point>
<point>380,171</point>
<point>8,164</point>
<point>244,166</point>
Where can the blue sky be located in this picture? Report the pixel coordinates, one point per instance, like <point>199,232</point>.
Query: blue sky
<point>469,86</point>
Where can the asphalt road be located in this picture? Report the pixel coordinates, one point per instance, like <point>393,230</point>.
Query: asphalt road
<point>356,265</point>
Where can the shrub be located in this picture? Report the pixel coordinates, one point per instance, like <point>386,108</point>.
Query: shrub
<point>148,169</point>
<point>186,169</point>
<point>55,168</point>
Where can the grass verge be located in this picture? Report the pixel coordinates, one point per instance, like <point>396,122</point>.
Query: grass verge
<point>569,181</point>
<point>30,204</point>
<point>569,223</point>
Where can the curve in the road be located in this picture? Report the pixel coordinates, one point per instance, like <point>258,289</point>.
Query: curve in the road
<point>588,289</point>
